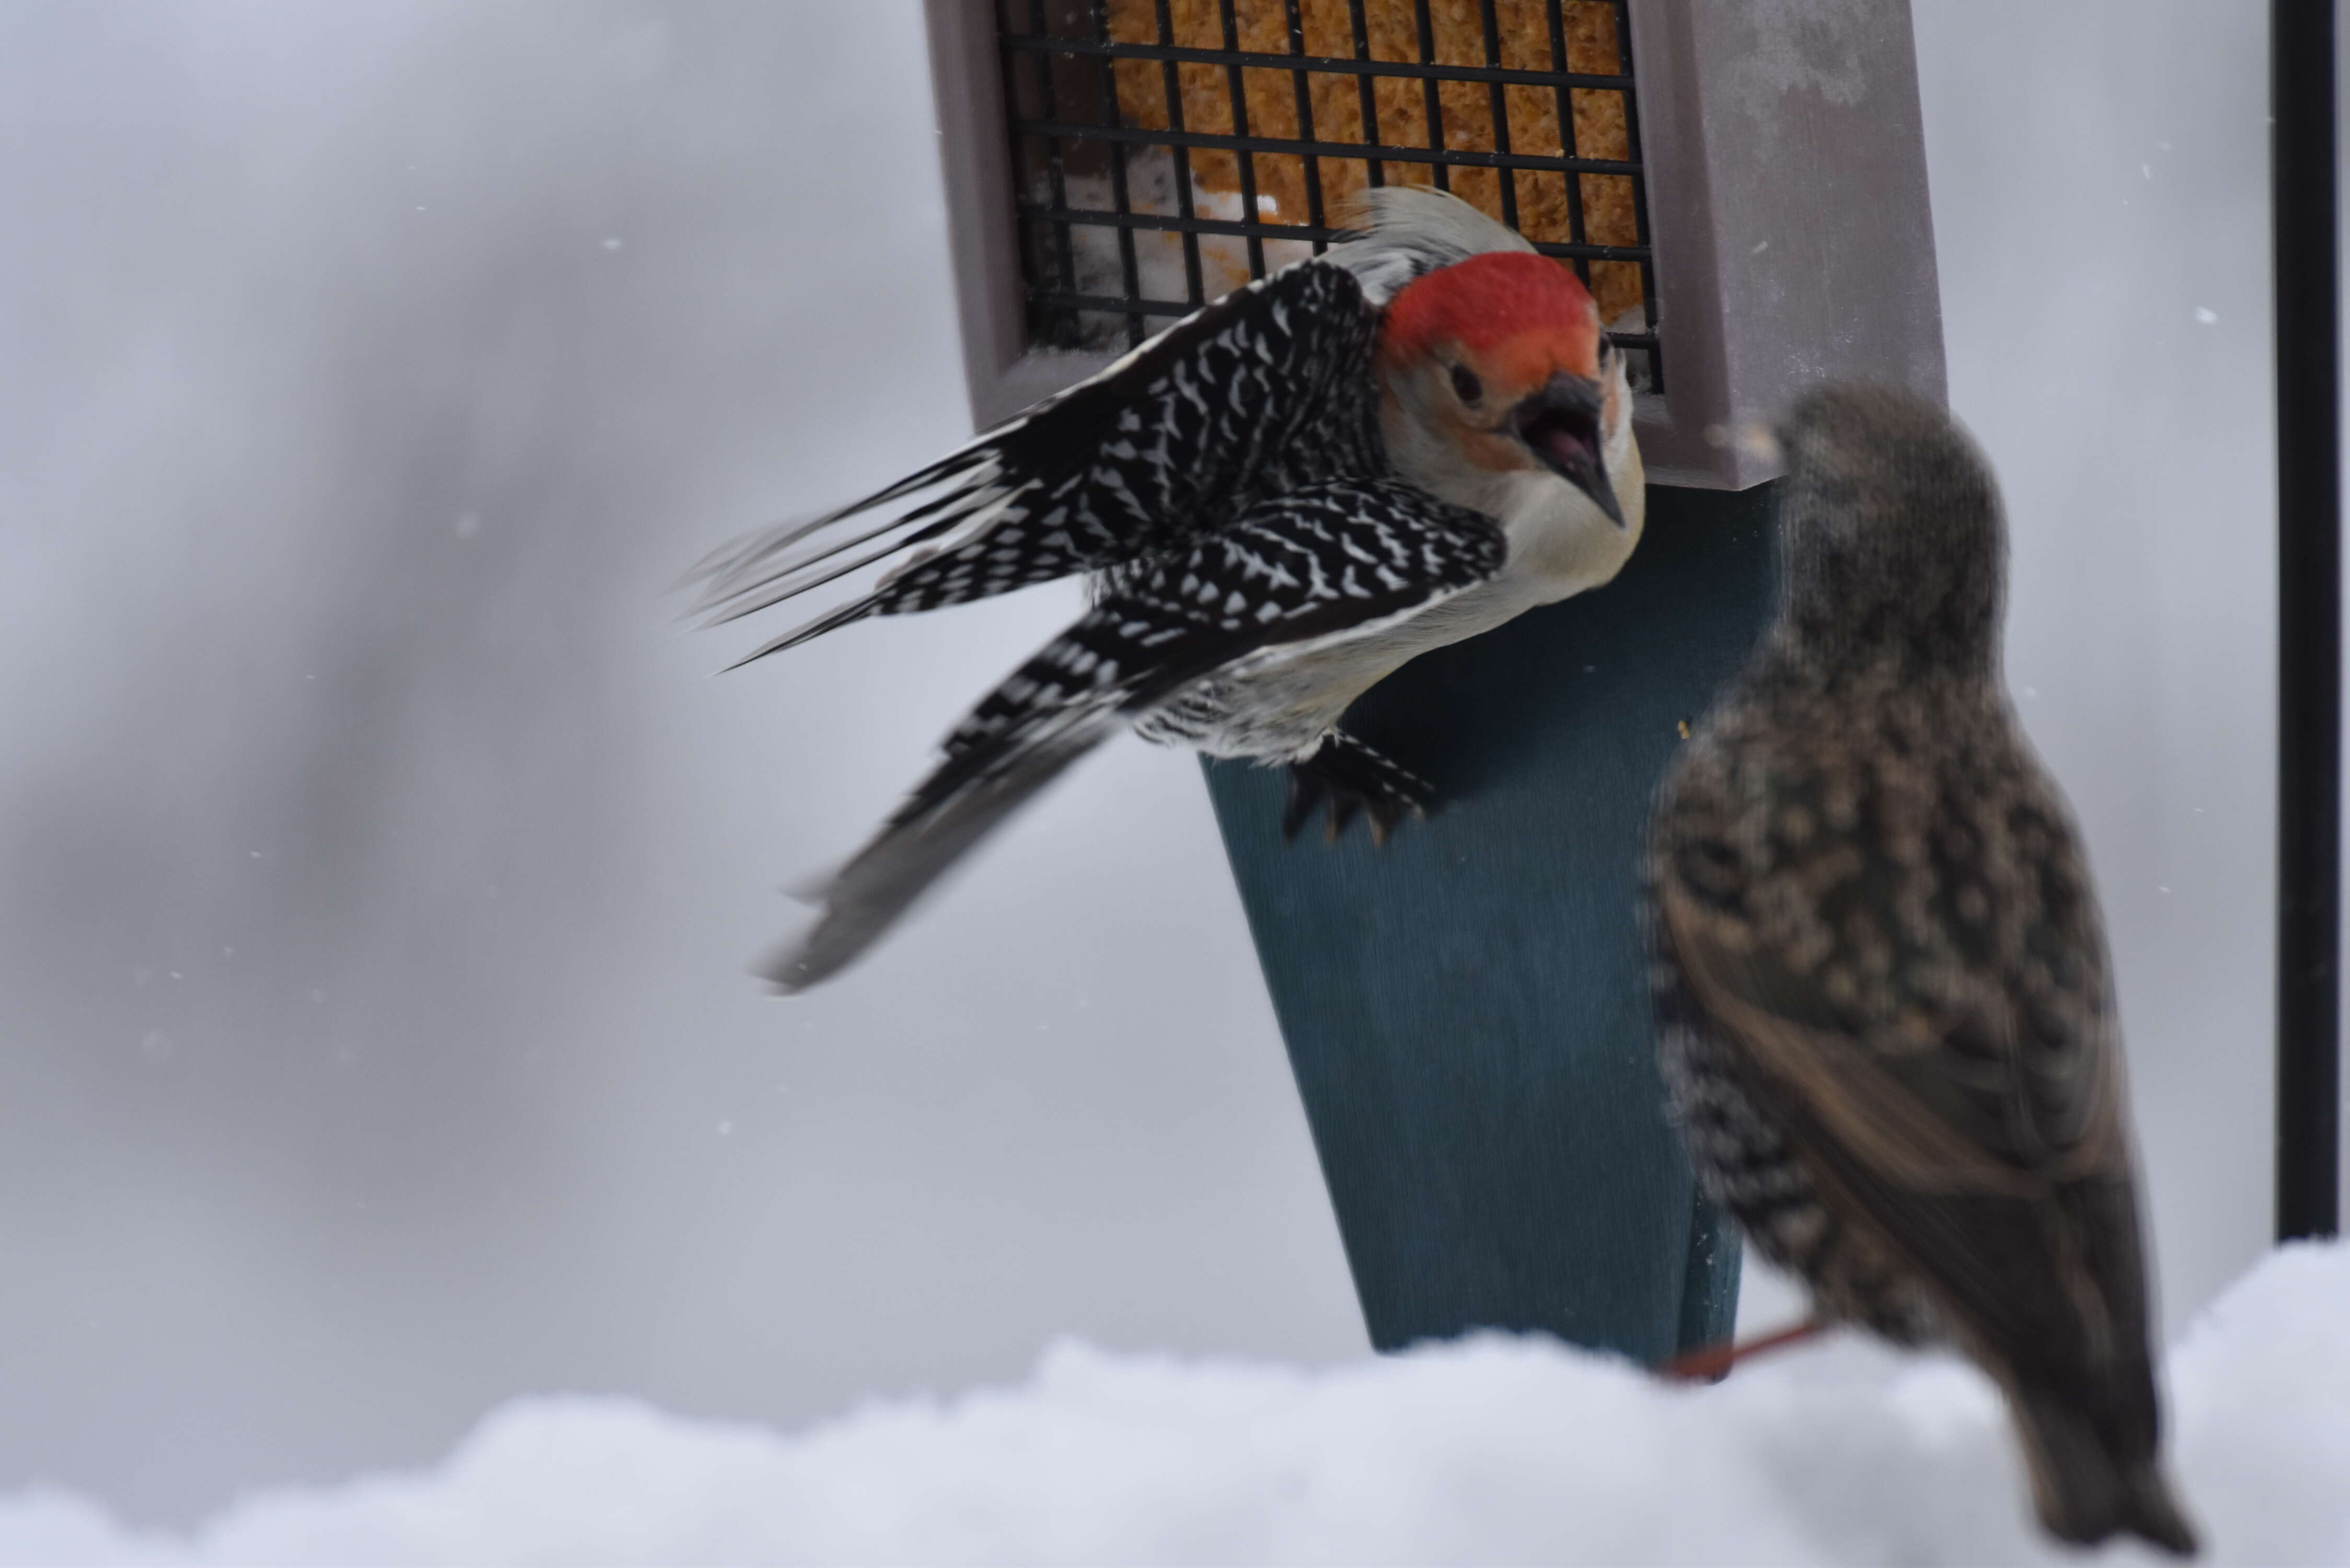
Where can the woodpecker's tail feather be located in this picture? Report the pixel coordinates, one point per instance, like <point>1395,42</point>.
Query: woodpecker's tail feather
<point>2092,1477</point>
<point>808,631</point>
<point>944,821</point>
<point>750,574</point>
<point>1304,570</point>
<point>1120,657</point>
<point>1057,707</point>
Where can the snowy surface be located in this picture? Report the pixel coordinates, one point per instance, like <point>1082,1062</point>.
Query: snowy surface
<point>1492,1451</point>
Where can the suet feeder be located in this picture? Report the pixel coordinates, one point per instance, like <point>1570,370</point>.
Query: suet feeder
<point>1743,189</point>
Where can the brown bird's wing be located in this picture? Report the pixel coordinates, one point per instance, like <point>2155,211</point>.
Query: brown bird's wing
<point>1902,1050</point>
<point>1920,1004</point>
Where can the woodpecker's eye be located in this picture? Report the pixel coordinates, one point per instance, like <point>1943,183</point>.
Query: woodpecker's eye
<point>1465,384</point>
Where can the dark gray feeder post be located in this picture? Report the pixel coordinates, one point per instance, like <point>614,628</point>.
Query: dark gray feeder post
<point>1466,1009</point>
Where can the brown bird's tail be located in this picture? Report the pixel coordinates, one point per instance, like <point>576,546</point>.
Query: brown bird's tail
<point>2095,1471</point>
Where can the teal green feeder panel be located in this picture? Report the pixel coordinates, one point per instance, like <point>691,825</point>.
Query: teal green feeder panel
<point>1466,1009</point>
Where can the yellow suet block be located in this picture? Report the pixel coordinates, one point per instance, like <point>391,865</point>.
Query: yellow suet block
<point>1398,109</point>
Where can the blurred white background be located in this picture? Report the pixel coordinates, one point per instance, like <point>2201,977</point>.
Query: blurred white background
<point>379,867</point>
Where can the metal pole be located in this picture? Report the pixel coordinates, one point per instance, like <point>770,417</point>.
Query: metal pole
<point>2309,617</point>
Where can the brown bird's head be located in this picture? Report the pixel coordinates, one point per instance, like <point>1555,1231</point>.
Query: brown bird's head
<point>1895,546</point>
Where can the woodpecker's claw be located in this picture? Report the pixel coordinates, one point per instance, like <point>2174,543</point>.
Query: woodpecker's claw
<point>1351,777</point>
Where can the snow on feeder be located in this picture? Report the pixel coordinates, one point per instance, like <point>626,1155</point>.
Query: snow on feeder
<point>1743,191</point>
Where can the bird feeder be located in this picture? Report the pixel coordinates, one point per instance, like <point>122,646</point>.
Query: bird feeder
<point>1743,191</point>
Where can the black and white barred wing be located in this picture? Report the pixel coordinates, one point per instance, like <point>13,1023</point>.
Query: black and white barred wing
<point>1265,389</point>
<point>1298,573</point>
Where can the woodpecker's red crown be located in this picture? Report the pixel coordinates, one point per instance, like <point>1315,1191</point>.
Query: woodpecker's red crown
<point>1493,362</point>
<point>1518,317</point>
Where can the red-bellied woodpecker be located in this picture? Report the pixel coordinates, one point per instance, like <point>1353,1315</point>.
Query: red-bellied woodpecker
<point>1398,444</point>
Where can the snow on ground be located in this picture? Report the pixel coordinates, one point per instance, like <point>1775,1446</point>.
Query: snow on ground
<point>1496,1451</point>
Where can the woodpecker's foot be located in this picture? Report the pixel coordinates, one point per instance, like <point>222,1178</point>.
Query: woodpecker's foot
<point>1711,1363</point>
<point>1352,777</point>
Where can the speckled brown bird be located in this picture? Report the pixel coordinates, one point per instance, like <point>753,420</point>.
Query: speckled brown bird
<point>1883,1006</point>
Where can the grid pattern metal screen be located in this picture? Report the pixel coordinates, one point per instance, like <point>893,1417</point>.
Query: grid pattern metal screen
<point>1165,152</point>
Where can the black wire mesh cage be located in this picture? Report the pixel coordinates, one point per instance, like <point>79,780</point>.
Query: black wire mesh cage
<point>1166,151</point>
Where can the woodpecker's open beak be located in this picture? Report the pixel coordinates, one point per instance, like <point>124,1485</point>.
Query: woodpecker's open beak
<point>1560,425</point>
